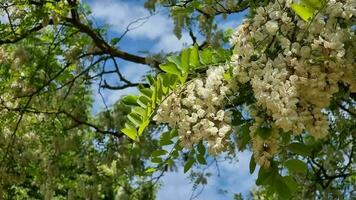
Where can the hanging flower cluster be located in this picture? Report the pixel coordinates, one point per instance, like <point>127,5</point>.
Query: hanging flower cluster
<point>197,111</point>
<point>295,66</point>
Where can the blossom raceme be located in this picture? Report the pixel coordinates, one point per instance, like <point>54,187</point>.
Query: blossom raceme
<point>296,66</point>
<point>197,111</point>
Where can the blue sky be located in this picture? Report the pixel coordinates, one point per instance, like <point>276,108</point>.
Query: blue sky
<point>156,35</point>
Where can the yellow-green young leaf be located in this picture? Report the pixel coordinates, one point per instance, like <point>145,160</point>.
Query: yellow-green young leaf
<point>170,68</point>
<point>227,76</point>
<point>313,4</point>
<point>194,56</point>
<point>150,79</point>
<point>150,170</point>
<point>146,92</point>
<point>176,60</point>
<point>206,56</point>
<point>165,82</point>
<point>135,119</point>
<point>130,132</point>
<point>159,91</point>
<point>143,101</point>
<point>303,12</point>
<point>188,165</point>
<point>130,100</point>
<point>143,126</point>
<point>296,166</point>
<point>185,60</point>
<point>140,111</point>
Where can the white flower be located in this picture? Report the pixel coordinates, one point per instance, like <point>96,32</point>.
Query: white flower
<point>272,27</point>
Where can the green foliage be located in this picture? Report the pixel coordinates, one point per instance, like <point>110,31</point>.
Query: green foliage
<point>299,148</point>
<point>296,166</point>
<point>252,165</point>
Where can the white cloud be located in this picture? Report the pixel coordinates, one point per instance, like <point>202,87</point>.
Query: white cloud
<point>120,14</point>
<point>157,28</point>
<point>170,43</point>
<point>234,177</point>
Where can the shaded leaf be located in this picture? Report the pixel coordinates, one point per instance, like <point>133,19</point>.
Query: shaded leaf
<point>252,164</point>
<point>295,165</point>
<point>159,152</point>
<point>299,148</point>
<point>188,165</point>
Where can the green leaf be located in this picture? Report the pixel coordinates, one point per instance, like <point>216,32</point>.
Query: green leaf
<point>165,85</point>
<point>176,60</point>
<point>143,101</point>
<point>156,160</point>
<point>130,132</point>
<point>264,176</point>
<point>206,56</point>
<point>135,119</point>
<point>201,148</point>
<point>174,133</point>
<point>296,166</point>
<point>188,165</point>
<point>175,153</point>
<point>293,186</point>
<point>252,164</point>
<point>201,159</point>
<point>159,152</point>
<point>165,139</point>
<point>114,41</point>
<point>130,100</point>
<point>185,60</point>
<point>150,79</point>
<point>299,148</point>
<point>264,132</point>
<point>170,68</point>
<point>243,135</point>
<point>143,126</point>
<point>237,116</point>
<point>303,12</point>
<point>150,170</point>
<point>139,110</point>
<point>313,4</point>
<point>194,56</point>
<point>146,92</point>
<point>282,188</point>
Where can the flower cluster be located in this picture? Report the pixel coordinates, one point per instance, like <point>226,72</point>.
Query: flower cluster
<point>264,148</point>
<point>197,111</point>
<point>295,66</point>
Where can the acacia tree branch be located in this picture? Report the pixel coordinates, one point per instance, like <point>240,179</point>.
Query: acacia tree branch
<point>75,22</point>
<point>108,49</point>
